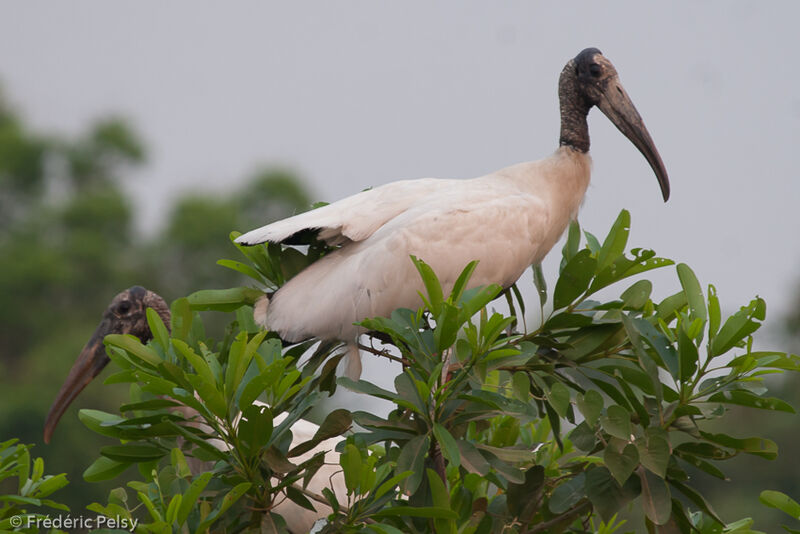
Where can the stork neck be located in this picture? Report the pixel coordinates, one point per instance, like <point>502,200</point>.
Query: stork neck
<point>574,109</point>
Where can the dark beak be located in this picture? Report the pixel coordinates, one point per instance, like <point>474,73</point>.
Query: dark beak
<point>618,107</point>
<point>90,362</point>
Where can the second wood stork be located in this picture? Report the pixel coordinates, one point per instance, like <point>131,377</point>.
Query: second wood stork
<point>126,314</point>
<point>507,220</point>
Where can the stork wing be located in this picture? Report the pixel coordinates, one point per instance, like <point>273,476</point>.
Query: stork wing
<point>374,277</point>
<point>354,218</point>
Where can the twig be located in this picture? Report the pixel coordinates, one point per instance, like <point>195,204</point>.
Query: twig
<point>382,353</point>
<point>566,516</point>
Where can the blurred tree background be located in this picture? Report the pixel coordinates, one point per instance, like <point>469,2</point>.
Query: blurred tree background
<point>68,244</point>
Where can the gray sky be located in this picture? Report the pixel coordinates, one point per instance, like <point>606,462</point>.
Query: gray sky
<point>359,93</point>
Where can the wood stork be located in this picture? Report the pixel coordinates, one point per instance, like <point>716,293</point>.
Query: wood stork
<point>127,315</point>
<point>507,220</point>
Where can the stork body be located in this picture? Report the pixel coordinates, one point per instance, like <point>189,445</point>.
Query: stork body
<point>507,220</point>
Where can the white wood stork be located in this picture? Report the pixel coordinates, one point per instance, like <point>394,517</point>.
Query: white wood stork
<point>507,220</point>
<point>127,315</point>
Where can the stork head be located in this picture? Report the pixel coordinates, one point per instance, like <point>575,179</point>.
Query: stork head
<point>591,80</point>
<point>127,314</point>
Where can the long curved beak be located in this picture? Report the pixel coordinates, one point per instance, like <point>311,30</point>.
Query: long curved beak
<point>90,362</point>
<point>618,107</point>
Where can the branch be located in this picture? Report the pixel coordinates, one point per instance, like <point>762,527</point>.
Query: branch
<point>569,515</point>
<point>382,353</point>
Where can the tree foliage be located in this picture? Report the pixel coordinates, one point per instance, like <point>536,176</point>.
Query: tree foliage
<point>68,240</point>
<point>602,407</point>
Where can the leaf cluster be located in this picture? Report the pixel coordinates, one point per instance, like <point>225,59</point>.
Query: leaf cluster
<point>32,486</point>
<point>605,405</point>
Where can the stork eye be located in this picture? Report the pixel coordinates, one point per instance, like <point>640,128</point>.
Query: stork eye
<point>124,307</point>
<point>595,70</point>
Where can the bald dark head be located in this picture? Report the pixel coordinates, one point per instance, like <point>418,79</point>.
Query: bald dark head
<point>127,314</point>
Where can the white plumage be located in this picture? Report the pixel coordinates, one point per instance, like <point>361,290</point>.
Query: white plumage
<point>506,220</point>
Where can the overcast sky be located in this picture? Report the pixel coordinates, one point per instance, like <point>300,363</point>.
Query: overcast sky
<point>359,93</point>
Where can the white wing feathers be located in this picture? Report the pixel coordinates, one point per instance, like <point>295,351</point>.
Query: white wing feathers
<point>354,218</point>
<point>506,220</point>
<point>373,277</point>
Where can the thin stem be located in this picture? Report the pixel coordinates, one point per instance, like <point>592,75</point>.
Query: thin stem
<point>383,353</point>
<point>569,515</point>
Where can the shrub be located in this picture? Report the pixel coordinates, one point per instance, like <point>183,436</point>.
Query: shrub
<point>496,428</point>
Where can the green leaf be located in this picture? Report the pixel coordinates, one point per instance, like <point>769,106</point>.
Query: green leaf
<point>781,501</point>
<point>614,244</point>
<point>738,326</point>
<point>172,509</point>
<point>154,513</point>
<point>190,497</point>
<point>242,268</point>
<point>654,451</point>
<point>572,245</point>
<point>433,287</point>
<point>178,461</point>
<point>667,308</point>
<point>697,498</point>
<point>407,390</point>
<point>212,397</point>
<point>231,497</point>
<point>540,283</point>
<point>158,329</point>
<point>101,422</point>
<point>104,469</point>
<point>255,427</point>
<point>224,300</point>
<point>432,512</point>
<point>583,437</point>
<point>198,363</point>
<point>441,499</point>
<point>687,354</point>
<point>762,447</point>
<point>574,279</point>
<point>390,484</point>
<point>636,296</point>
<point>590,404</point>
<point>567,494</point>
<point>181,318</point>
<point>559,398</point>
<point>133,452</point>
<point>350,460</point>
<point>621,463</point>
<point>702,465</point>
<point>335,424</point>
<point>665,353</point>
<point>51,484</point>
<point>476,299</point>
<point>461,282</point>
<point>592,243</point>
<point>134,347</point>
<point>472,460</point>
<point>746,398</point>
<point>617,422</point>
<point>447,444</point>
<point>714,313</point>
<point>150,404</point>
<point>412,458</point>
<point>367,388</point>
<point>656,498</point>
<point>521,386</point>
<point>694,293</point>
<point>524,500</point>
